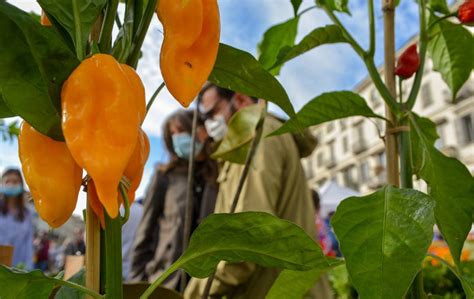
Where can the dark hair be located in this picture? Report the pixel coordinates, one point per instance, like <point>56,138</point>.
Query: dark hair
<point>316,199</point>
<point>19,200</point>
<point>223,93</point>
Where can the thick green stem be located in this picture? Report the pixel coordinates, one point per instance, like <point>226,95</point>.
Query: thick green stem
<point>371,51</point>
<point>423,49</point>
<point>113,250</point>
<point>78,31</point>
<point>141,33</point>
<point>153,97</point>
<point>105,39</point>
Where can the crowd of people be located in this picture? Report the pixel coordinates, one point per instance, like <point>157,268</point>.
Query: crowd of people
<point>153,237</point>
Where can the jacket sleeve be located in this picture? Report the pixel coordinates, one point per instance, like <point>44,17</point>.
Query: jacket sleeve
<point>146,238</point>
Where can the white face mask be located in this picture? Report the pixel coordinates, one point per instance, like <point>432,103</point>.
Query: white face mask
<point>216,127</point>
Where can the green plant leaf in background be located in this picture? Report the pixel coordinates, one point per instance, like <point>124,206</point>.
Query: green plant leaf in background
<point>296,6</point>
<point>450,184</point>
<point>292,284</point>
<point>239,71</point>
<point>241,131</point>
<point>76,16</point>
<point>438,6</point>
<point>70,293</point>
<point>123,42</point>
<point>337,5</point>
<point>384,237</point>
<point>451,47</point>
<point>33,65</point>
<point>326,107</point>
<point>16,284</point>
<point>329,34</point>
<point>276,38</point>
<point>250,236</point>
<point>4,110</point>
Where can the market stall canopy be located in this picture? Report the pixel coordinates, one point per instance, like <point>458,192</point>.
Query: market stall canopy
<point>331,194</point>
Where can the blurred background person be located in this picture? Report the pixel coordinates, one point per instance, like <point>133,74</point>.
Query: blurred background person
<point>129,229</point>
<point>16,226</point>
<point>76,245</point>
<point>159,238</point>
<point>42,245</point>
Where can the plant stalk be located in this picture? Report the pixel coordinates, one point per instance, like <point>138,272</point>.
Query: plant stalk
<point>113,250</point>
<point>105,39</point>
<point>92,249</point>
<point>391,149</point>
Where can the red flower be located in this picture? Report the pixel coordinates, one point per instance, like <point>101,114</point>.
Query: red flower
<point>408,63</point>
<point>466,12</point>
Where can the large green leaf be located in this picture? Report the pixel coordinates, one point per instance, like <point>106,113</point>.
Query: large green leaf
<point>250,236</point>
<point>234,147</point>
<point>239,71</point>
<point>451,48</point>
<point>450,183</point>
<point>76,16</point>
<point>292,284</point>
<point>337,5</point>
<point>16,284</point>
<point>34,62</point>
<point>384,237</point>
<point>326,107</point>
<point>4,110</point>
<point>276,38</point>
<point>70,293</point>
<point>329,34</point>
<point>439,6</point>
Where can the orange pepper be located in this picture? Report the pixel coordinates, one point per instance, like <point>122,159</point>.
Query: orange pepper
<point>189,50</point>
<point>138,89</point>
<point>51,173</point>
<point>44,19</point>
<point>101,115</point>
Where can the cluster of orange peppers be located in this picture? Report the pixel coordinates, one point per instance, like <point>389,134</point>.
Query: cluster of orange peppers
<point>103,107</point>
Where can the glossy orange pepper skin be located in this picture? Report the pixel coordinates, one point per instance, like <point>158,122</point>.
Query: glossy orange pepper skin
<point>133,173</point>
<point>51,173</point>
<point>138,90</point>
<point>100,121</point>
<point>44,19</point>
<point>189,50</point>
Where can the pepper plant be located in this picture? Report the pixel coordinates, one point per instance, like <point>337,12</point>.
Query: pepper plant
<point>384,236</point>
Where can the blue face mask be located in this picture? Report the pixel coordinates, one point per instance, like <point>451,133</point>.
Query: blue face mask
<point>11,191</point>
<point>182,145</point>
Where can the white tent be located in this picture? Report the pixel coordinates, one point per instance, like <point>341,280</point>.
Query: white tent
<point>331,194</point>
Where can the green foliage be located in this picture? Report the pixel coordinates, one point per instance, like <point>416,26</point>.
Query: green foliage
<point>384,237</point>
<point>4,110</point>
<point>241,131</point>
<point>451,47</point>
<point>239,71</point>
<point>329,34</point>
<point>337,5</point>
<point>292,284</point>
<point>296,5</point>
<point>75,16</point>
<point>10,131</point>
<point>449,181</point>
<point>34,62</point>
<point>276,38</point>
<point>123,42</point>
<point>250,236</point>
<point>438,6</point>
<point>70,293</point>
<point>326,107</point>
<point>18,284</point>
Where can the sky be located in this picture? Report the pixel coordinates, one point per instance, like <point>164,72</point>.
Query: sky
<point>243,23</point>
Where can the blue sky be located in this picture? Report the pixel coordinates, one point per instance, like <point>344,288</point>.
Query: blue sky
<point>243,23</point>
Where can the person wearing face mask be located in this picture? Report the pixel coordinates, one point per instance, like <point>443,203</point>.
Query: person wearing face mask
<point>276,184</point>
<point>16,226</point>
<point>159,238</point>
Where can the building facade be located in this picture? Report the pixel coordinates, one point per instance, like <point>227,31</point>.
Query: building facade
<point>351,151</point>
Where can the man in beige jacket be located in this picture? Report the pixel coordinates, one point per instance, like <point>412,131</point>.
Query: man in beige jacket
<point>276,184</point>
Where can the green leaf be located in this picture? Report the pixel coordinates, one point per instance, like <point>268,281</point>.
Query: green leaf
<point>329,34</point>
<point>241,131</point>
<point>384,237</point>
<point>4,110</point>
<point>326,107</point>
<point>277,37</point>
<point>292,284</point>
<point>450,183</point>
<point>250,236</point>
<point>296,6</point>
<point>123,42</point>
<point>337,5</point>
<point>438,6</point>
<point>17,284</point>
<point>239,71</point>
<point>76,16</point>
<point>34,62</point>
<point>451,48</point>
<point>70,293</point>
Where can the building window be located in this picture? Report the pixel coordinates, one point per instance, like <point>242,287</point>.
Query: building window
<point>309,169</point>
<point>330,127</point>
<point>364,171</point>
<point>320,159</point>
<point>374,98</point>
<point>441,141</point>
<point>426,96</point>
<point>343,124</point>
<point>466,128</point>
<point>381,159</point>
<point>348,175</point>
<point>345,144</point>
<point>332,156</point>
<point>466,91</point>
